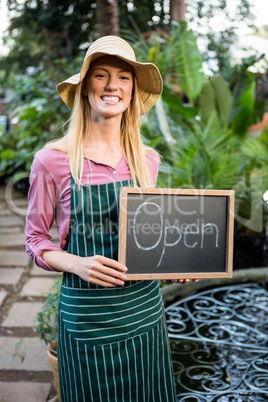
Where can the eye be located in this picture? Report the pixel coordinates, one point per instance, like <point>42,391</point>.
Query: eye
<point>100,75</point>
<point>125,77</point>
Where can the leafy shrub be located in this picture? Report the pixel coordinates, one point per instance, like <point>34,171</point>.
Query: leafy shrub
<point>47,318</point>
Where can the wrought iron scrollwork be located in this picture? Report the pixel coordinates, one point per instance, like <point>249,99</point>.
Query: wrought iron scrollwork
<point>219,342</point>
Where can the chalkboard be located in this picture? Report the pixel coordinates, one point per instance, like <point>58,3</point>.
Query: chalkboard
<point>176,233</point>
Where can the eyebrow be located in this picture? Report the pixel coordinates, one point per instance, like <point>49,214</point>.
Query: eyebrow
<point>120,71</point>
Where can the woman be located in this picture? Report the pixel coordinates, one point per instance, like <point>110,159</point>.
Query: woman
<point>112,343</point>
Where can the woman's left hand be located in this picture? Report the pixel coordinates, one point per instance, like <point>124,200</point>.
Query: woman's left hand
<point>182,281</point>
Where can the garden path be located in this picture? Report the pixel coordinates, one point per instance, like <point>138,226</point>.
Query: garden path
<point>22,293</point>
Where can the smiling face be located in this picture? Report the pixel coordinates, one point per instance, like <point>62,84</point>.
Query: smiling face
<point>108,87</point>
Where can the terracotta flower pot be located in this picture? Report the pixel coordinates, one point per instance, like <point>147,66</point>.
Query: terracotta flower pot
<point>53,360</point>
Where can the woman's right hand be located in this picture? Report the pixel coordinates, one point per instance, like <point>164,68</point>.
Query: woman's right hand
<point>97,269</point>
<point>100,270</point>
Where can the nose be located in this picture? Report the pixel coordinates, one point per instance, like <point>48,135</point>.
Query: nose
<point>111,84</point>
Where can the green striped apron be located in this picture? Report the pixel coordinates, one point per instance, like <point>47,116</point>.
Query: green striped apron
<point>112,343</point>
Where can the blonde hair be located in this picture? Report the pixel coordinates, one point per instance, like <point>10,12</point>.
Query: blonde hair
<point>134,150</point>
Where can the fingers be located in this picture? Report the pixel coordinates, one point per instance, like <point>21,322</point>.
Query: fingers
<point>108,274</point>
<point>104,271</point>
<point>184,281</point>
<point>98,281</point>
<point>109,262</point>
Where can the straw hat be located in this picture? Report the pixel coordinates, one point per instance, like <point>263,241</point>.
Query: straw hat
<point>149,80</point>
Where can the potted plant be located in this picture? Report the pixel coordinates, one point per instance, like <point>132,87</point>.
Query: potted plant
<point>47,328</point>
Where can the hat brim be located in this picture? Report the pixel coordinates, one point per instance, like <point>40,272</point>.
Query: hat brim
<point>149,81</point>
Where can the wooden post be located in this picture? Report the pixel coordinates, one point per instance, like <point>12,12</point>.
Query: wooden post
<point>177,11</point>
<point>107,17</point>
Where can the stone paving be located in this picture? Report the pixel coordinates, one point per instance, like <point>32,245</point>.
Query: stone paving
<point>23,289</point>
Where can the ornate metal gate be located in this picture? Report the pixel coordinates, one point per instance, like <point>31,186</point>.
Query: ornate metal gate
<point>219,342</point>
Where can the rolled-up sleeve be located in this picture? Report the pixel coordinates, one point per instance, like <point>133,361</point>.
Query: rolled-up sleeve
<point>42,202</point>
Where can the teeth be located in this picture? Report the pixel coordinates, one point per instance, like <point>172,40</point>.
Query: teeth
<point>114,99</point>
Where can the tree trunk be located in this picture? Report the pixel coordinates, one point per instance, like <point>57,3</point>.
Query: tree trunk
<point>177,10</point>
<point>107,17</point>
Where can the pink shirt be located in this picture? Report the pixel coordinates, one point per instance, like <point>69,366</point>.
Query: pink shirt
<point>50,196</point>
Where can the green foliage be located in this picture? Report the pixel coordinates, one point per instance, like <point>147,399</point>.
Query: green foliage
<point>187,60</point>
<point>259,110</point>
<point>243,106</point>
<point>163,122</point>
<point>38,124</point>
<point>232,96</point>
<point>206,157</point>
<point>47,318</point>
<point>203,15</point>
<point>177,57</point>
<point>256,150</point>
<point>233,74</point>
<point>20,351</point>
<point>215,97</point>
<point>40,114</point>
<point>173,101</point>
<point>209,148</point>
<point>45,30</point>
<point>2,129</point>
<point>199,126</point>
<point>245,110</point>
<point>140,11</point>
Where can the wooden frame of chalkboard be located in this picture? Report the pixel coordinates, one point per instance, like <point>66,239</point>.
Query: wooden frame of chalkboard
<point>176,233</point>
